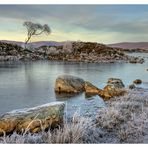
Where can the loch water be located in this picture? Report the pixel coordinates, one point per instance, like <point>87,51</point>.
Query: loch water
<point>29,84</point>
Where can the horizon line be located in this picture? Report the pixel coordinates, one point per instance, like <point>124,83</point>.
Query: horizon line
<point>79,40</point>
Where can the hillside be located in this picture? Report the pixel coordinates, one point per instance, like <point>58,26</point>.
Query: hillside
<point>87,52</point>
<point>126,46</point>
<point>69,51</point>
<point>130,45</point>
<point>34,44</point>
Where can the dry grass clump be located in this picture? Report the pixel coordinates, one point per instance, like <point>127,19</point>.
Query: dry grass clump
<point>70,133</point>
<point>134,130</point>
<point>124,120</point>
<point>109,118</point>
<point>127,117</point>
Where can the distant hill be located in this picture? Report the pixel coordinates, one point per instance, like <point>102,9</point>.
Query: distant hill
<point>124,45</point>
<point>34,44</point>
<point>13,42</point>
<point>45,43</point>
<point>130,45</point>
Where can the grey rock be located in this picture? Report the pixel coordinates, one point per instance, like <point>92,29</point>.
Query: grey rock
<point>33,119</point>
<point>69,84</point>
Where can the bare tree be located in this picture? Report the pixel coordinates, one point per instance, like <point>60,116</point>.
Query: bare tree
<point>35,29</point>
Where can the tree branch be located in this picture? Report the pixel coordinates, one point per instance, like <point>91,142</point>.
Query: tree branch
<point>39,33</point>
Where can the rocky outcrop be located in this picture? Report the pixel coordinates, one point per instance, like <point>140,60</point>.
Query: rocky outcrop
<point>115,87</point>
<point>91,89</point>
<point>135,60</point>
<point>69,84</point>
<point>68,51</point>
<point>33,119</point>
<point>12,52</point>
<point>111,91</point>
<point>137,81</point>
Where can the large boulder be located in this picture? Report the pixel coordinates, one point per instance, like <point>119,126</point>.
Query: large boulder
<point>115,87</point>
<point>69,84</point>
<point>91,89</point>
<point>33,119</point>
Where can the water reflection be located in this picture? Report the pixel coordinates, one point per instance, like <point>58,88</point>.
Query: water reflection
<point>89,96</point>
<point>66,96</point>
<point>32,83</point>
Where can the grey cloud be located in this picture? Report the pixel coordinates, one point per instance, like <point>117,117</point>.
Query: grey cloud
<point>90,17</point>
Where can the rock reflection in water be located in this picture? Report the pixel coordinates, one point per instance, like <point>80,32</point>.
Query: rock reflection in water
<point>89,96</point>
<point>66,96</point>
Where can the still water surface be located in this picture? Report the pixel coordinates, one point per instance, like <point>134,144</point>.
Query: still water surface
<point>32,83</point>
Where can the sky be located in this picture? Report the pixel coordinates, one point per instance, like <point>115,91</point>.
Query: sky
<point>95,23</point>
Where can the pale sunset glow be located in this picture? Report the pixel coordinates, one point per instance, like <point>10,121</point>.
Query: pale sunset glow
<point>96,23</point>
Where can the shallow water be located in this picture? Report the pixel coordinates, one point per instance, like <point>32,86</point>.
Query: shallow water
<point>32,83</point>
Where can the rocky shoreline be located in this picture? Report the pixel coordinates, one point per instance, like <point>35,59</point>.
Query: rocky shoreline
<point>112,121</point>
<point>52,115</point>
<point>70,51</point>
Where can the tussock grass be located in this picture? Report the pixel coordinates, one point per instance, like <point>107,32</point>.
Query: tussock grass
<point>124,120</point>
<point>127,117</point>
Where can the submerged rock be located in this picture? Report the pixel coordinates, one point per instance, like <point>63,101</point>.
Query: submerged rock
<point>137,81</point>
<point>91,89</point>
<point>33,119</point>
<point>69,84</point>
<point>132,86</point>
<point>65,96</point>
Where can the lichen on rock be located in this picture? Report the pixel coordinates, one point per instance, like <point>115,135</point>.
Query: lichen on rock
<point>69,84</point>
<point>33,119</point>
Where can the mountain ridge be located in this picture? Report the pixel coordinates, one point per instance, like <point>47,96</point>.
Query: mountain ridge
<point>130,45</point>
<point>34,44</point>
<point>124,45</point>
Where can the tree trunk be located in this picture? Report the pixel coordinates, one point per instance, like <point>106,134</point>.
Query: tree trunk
<point>27,41</point>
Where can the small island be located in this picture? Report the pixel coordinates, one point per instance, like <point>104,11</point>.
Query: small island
<point>67,51</point>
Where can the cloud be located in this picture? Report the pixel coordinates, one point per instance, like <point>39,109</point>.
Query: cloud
<point>104,23</point>
<point>92,17</point>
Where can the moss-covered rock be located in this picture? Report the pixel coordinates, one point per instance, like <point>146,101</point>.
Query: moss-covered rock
<point>33,119</point>
<point>69,84</point>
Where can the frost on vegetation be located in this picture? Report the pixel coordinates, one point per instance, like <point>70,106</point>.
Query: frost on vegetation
<point>72,132</point>
<point>126,117</point>
<point>125,120</point>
